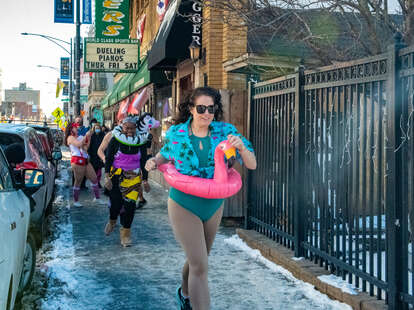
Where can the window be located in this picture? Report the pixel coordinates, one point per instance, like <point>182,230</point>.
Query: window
<point>6,182</point>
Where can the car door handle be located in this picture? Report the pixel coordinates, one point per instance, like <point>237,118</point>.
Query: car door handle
<point>13,226</point>
<point>21,214</point>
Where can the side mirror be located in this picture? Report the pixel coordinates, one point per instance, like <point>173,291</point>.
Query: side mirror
<point>33,178</point>
<point>57,155</point>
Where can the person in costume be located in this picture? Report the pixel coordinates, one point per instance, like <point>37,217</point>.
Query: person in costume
<point>123,175</point>
<point>96,139</point>
<point>81,167</point>
<point>190,145</point>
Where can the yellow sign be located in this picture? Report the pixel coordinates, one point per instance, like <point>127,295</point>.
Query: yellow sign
<point>62,123</point>
<point>58,114</point>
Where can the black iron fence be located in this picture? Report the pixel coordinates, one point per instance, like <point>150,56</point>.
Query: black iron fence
<point>335,177</point>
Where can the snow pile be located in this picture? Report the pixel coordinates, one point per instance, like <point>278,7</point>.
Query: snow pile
<point>339,283</point>
<point>297,258</point>
<point>59,199</point>
<point>308,290</point>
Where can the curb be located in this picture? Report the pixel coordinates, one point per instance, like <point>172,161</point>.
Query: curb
<point>307,271</point>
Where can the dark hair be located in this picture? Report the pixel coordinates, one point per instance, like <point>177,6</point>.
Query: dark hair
<point>68,132</point>
<point>184,107</point>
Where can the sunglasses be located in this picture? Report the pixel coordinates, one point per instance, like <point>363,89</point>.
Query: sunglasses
<point>201,109</point>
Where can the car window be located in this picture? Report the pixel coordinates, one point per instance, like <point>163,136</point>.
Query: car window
<point>6,182</point>
<point>7,139</point>
<point>34,147</point>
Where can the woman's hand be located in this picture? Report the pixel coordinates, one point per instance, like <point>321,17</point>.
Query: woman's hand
<point>108,183</point>
<point>236,142</point>
<point>151,164</point>
<point>146,185</point>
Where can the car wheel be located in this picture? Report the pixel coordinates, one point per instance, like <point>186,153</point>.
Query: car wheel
<point>29,265</point>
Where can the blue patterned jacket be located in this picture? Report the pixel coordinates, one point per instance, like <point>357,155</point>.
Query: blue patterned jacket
<point>179,149</point>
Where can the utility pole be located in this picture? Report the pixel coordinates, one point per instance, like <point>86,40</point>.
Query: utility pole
<point>70,80</point>
<point>77,60</point>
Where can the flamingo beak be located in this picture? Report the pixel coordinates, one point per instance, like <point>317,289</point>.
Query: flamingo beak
<point>230,153</point>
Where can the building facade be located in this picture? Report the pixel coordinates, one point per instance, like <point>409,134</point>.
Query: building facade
<point>23,103</point>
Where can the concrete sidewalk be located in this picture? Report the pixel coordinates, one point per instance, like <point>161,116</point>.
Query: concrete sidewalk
<point>88,270</point>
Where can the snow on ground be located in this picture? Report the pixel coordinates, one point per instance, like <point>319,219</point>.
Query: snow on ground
<point>308,290</point>
<point>339,283</point>
<point>80,268</point>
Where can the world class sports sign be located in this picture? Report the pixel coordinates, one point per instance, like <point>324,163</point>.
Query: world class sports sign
<point>104,55</point>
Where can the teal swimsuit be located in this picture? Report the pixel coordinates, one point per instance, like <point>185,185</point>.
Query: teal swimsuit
<point>202,207</point>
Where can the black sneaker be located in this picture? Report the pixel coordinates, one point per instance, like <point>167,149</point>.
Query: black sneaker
<point>183,303</point>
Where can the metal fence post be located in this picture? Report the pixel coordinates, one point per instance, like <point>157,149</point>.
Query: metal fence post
<point>393,177</point>
<point>300,143</point>
<point>250,90</point>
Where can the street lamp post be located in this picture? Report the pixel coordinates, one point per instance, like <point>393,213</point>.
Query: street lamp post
<point>56,41</point>
<point>77,59</point>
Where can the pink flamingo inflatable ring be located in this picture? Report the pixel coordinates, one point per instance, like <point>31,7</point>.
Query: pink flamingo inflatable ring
<point>226,182</point>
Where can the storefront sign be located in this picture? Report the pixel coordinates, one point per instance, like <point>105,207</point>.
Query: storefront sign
<point>64,68</point>
<point>112,19</point>
<point>106,55</point>
<point>196,19</point>
<point>87,12</point>
<point>64,11</point>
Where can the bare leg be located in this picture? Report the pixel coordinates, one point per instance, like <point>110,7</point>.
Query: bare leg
<point>91,175</point>
<point>78,173</point>
<point>189,231</point>
<point>210,230</point>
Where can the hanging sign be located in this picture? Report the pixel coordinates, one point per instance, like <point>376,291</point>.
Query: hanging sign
<point>104,55</point>
<point>86,11</point>
<point>112,19</point>
<point>64,68</point>
<point>64,11</point>
<point>196,20</point>
<point>65,91</point>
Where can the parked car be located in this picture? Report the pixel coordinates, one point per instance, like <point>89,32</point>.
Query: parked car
<point>46,136</point>
<point>36,158</point>
<point>17,245</point>
<point>58,136</point>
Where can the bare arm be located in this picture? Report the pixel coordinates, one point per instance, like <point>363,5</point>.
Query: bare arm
<point>154,162</point>
<point>104,145</point>
<point>249,159</point>
<point>78,143</point>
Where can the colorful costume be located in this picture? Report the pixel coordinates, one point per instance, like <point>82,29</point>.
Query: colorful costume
<point>123,163</point>
<point>189,159</point>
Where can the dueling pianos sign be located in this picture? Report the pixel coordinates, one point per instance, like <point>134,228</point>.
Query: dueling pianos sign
<point>111,55</point>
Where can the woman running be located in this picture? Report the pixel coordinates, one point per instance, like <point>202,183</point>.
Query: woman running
<point>190,144</point>
<point>81,166</point>
<point>123,161</point>
<point>96,140</point>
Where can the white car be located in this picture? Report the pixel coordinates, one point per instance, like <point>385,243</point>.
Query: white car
<point>36,158</point>
<point>17,248</point>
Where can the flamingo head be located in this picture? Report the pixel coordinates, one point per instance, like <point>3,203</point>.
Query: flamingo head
<point>228,150</point>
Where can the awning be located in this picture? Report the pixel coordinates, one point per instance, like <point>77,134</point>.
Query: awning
<point>124,86</point>
<point>173,38</point>
<point>105,101</point>
<point>113,97</point>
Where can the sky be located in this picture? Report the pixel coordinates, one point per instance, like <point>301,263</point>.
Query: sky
<point>20,55</point>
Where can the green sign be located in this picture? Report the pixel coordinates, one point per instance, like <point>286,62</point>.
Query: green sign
<point>65,99</point>
<point>112,19</point>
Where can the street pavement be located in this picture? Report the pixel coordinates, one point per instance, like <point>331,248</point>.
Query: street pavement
<point>86,270</point>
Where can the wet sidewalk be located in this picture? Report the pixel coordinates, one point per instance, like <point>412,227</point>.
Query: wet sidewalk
<point>86,270</point>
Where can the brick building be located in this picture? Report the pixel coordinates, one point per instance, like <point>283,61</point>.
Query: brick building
<point>23,102</point>
<point>169,73</point>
